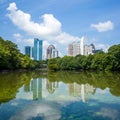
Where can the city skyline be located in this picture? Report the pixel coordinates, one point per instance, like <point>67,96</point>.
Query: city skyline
<point>60,22</point>
<point>74,49</point>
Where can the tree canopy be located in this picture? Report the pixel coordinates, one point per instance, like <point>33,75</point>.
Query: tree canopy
<point>11,58</point>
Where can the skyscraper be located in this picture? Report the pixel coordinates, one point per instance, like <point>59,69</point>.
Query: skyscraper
<point>74,49</point>
<point>28,51</point>
<point>82,43</point>
<point>70,50</point>
<point>37,49</point>
<point>52,52</point>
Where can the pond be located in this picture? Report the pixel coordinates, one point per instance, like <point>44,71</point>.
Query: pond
<point>59,96</point>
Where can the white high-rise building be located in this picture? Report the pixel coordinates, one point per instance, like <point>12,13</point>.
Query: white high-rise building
<point>82,44</point>
<point>70,50</point>
<point>77,48</point>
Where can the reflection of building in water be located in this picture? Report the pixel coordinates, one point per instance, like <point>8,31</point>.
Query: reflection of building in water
<point>51,86</point>
<point>27,87</point>
<point>82,91</point>
<point>36,87</point>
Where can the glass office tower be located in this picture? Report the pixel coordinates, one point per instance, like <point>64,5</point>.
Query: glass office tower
<point>28,50</point>
<point>37,49</point>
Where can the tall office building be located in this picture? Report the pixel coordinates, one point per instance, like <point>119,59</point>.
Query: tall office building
<point>77,48</point>
<point>37,49</point>
<point>74,49</point>
<point>52,52</point>
<point>82,43</point>
<point>28,51</point>
<point>70,50</point>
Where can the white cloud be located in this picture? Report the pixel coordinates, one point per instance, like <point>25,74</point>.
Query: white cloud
<point>49,26</point>
<point>18,37</point>
<point>103,26</point>
<point>65,38</point>
<point>49,29</point>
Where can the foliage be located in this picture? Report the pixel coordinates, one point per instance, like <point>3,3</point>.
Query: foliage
<point>100,61</point>
<point>11,58</point>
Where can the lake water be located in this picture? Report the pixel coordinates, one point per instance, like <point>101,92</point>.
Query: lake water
<point>59,96</point>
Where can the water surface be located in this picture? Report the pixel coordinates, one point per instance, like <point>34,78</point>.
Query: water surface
<point>59,96</point>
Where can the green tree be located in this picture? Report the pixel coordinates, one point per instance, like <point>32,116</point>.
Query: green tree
<point>52,64</point>
<point>114,51</point>
<point>97,61</point>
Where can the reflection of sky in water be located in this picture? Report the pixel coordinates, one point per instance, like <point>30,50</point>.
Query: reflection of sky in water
<point>42,109</point>
<point>43,100</point>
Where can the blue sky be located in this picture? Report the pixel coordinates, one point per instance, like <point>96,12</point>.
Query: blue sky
<point>60,22</point>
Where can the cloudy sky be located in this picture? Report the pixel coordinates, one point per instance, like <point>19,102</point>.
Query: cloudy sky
<point>60,22</point>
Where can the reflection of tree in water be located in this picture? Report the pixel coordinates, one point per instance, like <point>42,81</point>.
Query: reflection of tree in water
<point>11,82</point>
<point>100,80</point>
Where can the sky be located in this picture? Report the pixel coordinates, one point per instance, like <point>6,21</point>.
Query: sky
<point>60,22</point>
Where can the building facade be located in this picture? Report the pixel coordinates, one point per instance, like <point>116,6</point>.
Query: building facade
<point>52,52</point>
<point>37,49</point>
<point>70,50</point>
<point>82,44</point>
<point>28,51</point>
<point>74,49</point>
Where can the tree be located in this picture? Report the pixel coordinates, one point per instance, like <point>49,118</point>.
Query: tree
<point>52,64</point>
<point>114,51</point>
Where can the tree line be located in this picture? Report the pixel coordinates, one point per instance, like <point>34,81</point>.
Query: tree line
<point>109,61</point>
<point>12,59</point>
